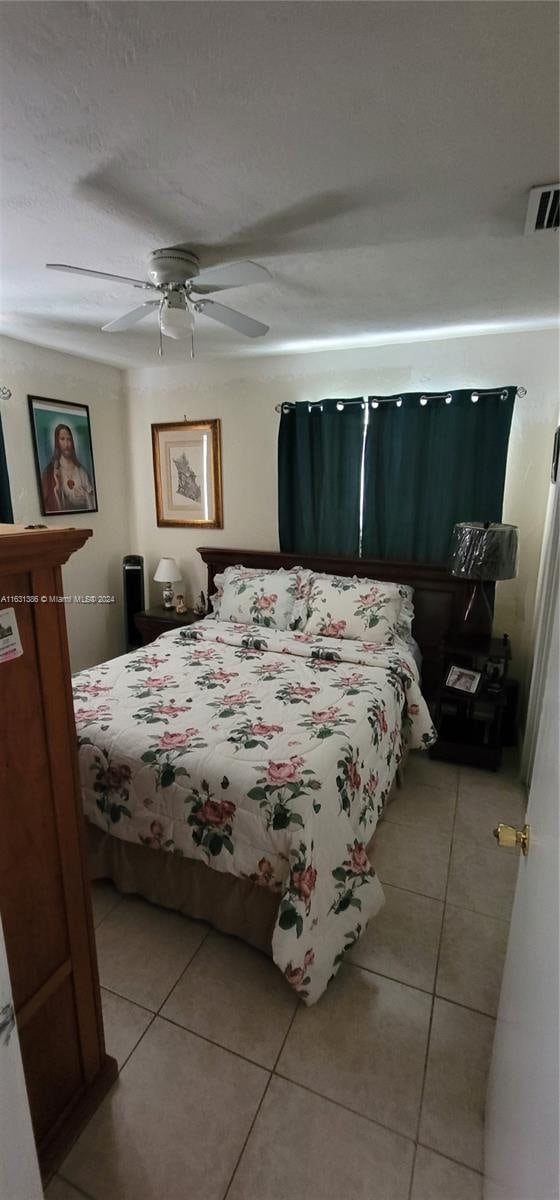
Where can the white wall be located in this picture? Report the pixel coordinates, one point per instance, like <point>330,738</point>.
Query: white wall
<point>95,632</point>
<point>243,393</point>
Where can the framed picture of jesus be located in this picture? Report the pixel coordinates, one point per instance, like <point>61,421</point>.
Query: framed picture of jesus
<point>63,456</point>
<point>188,473</point>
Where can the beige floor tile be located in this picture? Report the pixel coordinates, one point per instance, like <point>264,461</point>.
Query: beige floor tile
<point>402,941</point>
<point>414,859</point>
<point>142,950</point>
<point>421,769</point>
<point>505,779</point>
<point>471,962</point>
<point>303,1145</point>
<point>363,1045</point>
<point>124,1024</point>
<point>104,898</point>
<point>480,810</point>
<point>236,997</point>
<point>481,879</point>
<point>436,1178</point>
<point>423,807</point>
<point>455,1090</point>
<point>174,1124</point>
<point>59,1189</point>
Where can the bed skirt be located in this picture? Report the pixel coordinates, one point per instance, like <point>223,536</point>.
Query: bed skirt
<point>232,905</point>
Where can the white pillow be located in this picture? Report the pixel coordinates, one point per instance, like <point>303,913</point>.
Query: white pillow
<point>343,607</point>
<point>277,599</point>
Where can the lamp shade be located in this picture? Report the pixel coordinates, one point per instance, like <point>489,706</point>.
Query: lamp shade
<point>167,571</point>
<point>484,551</point>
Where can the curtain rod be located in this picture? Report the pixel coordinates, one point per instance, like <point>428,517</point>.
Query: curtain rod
<point>375,401</point>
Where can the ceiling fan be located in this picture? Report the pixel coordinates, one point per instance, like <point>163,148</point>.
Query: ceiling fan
<point>179,289</point>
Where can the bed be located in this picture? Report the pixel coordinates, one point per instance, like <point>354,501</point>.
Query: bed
<point>236,771</point>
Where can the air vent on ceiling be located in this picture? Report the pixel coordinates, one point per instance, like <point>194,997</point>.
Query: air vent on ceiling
<point>543,208</point>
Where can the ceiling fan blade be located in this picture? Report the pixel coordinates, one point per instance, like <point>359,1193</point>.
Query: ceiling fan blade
<point>99,274</point>
<point>132,317</point>
<point>232,276</point>
<point>229,316</point>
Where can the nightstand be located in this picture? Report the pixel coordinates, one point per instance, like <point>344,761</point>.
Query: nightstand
<point>154,621</point>
<point>470,726</point>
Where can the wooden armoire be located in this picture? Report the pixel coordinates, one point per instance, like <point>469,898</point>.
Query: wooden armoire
<point>44,892</point>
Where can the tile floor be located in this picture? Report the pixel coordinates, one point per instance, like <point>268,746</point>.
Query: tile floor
<point>229,1087</point>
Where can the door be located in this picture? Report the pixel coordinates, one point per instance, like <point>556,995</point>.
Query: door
<point>521,1144</point>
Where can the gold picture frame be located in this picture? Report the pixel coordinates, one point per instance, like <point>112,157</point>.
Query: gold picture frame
<point>188,473</point>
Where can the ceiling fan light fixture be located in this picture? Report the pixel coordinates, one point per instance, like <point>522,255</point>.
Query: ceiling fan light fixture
<point>176,318</point>
<point>175,281</point>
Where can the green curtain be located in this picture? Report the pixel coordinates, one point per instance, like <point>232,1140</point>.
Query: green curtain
<point>428,467</point>
<point>319,469</point>
<point>6,513</point>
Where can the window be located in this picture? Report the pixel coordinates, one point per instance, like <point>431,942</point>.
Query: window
<point>389,477</point>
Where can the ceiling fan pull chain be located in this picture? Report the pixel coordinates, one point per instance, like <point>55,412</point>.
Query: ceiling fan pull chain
<point>160,331</point>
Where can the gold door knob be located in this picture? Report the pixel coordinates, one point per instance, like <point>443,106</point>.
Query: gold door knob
<point>508,835</point>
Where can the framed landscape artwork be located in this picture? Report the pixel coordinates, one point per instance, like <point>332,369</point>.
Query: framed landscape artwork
<point>63,456</point>
<point>188,473</point>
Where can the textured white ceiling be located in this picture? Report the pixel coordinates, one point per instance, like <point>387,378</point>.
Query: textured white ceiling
<point>375,156</point>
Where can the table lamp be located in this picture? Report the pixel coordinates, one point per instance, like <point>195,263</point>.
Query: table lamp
<point>168,573</point>
<point>483,552</point>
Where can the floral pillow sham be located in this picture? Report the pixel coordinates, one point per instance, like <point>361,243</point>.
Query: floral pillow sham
<point>276,599</point>
<point>362,609</point>
<point>219,580</point>
<point>406,615</point>
<point>230,573</point>
<point>309,593</point>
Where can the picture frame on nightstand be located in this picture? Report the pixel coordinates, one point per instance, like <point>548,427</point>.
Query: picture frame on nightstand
<point>460,679</point>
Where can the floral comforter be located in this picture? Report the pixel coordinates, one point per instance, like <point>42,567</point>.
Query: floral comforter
<point>265,754</point>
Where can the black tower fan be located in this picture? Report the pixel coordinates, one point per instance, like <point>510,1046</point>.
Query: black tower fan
<point>133,592</point>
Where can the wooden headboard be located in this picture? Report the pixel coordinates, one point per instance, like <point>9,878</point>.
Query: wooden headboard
<point>439,598</point>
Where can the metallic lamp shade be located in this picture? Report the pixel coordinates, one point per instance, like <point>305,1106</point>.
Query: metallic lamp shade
<point>484,551</point>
